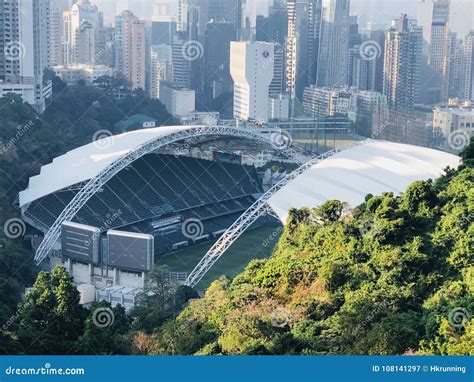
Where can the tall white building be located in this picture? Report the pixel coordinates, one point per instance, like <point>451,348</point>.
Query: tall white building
<point>251,68</point>
<point>25,50</point>
<point>334,43</point>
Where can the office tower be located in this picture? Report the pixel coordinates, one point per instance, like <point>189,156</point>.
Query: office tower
<point>433,17</point>
<point>216,58</point>
<point>251,68</point>
<point>277,86</point>
<point>334,43</point>
<point>85,44</point>
<point>86,23</point>
<point>25,50</point>
<point>354,36</point>
<point>467,69</point>
<point>66,39</point>
<point>229,11</point>
<point>402,64</point>
<point>304,17</point>
<point>184,52</point>
<point>378,38</point>
<point>273,28</point>
<point>163,32</point>
<point>131,48</point>
<point>361,72</point>
<point>56,47</point>
<point>455,66</point>
<point>160,68</point>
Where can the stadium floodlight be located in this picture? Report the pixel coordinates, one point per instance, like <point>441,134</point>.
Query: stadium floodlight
<point>256,210</point>
<point>96,183</point>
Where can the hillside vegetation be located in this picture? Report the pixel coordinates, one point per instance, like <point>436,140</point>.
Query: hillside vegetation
<point>393,276</point>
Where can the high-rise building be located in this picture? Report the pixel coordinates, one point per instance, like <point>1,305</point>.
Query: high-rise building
<point>455,66</point>
<point>378,38</point>
<point>403,45</point>
<point>304,18</point>
<point>467,69</point>
<point>217,78</point>
<point>273,28</point>
<point>433,17</point>
<point>160,68</point>
<point>277,86</point>
<point>56,47</point>
<point>131,49</point>
<point>251,68</point>
<point>334,43</point>
<point>162,32</point>
<point>25,50</point>
<point>86,23</point>
<point>183,55</point>
<point>361,72</point>
<point>229,11</point>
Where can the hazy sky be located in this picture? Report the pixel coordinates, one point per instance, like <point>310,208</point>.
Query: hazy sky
<point>379,12</point>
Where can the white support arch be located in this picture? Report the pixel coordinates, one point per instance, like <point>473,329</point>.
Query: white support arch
<point>94,184</point>
<point>256,210</point>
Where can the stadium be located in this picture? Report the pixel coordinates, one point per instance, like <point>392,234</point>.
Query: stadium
<point>111,209</point>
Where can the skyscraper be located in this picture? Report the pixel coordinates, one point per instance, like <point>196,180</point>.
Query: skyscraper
<point>402,64</point>
<point>334,43</point>
<point>304,17</point>
<point>216,56</point>
<point>467,74</point>
<point>160,68</point>
<point>130,52</point>
<point>455,66</point>
<point>85,26</point>
<point>251,67</point>
<point>433,17</point>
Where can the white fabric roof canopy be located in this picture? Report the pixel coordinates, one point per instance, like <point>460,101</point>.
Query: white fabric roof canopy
<point>350,175</point>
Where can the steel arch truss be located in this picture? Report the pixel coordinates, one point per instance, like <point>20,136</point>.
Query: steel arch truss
<point>94,184</point>
<point>256,210</point>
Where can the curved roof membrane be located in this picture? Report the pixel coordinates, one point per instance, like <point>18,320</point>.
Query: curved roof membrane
<point>85,162</point>
<point>351,174</point>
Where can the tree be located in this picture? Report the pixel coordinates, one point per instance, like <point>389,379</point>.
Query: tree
<point>53,320</point>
